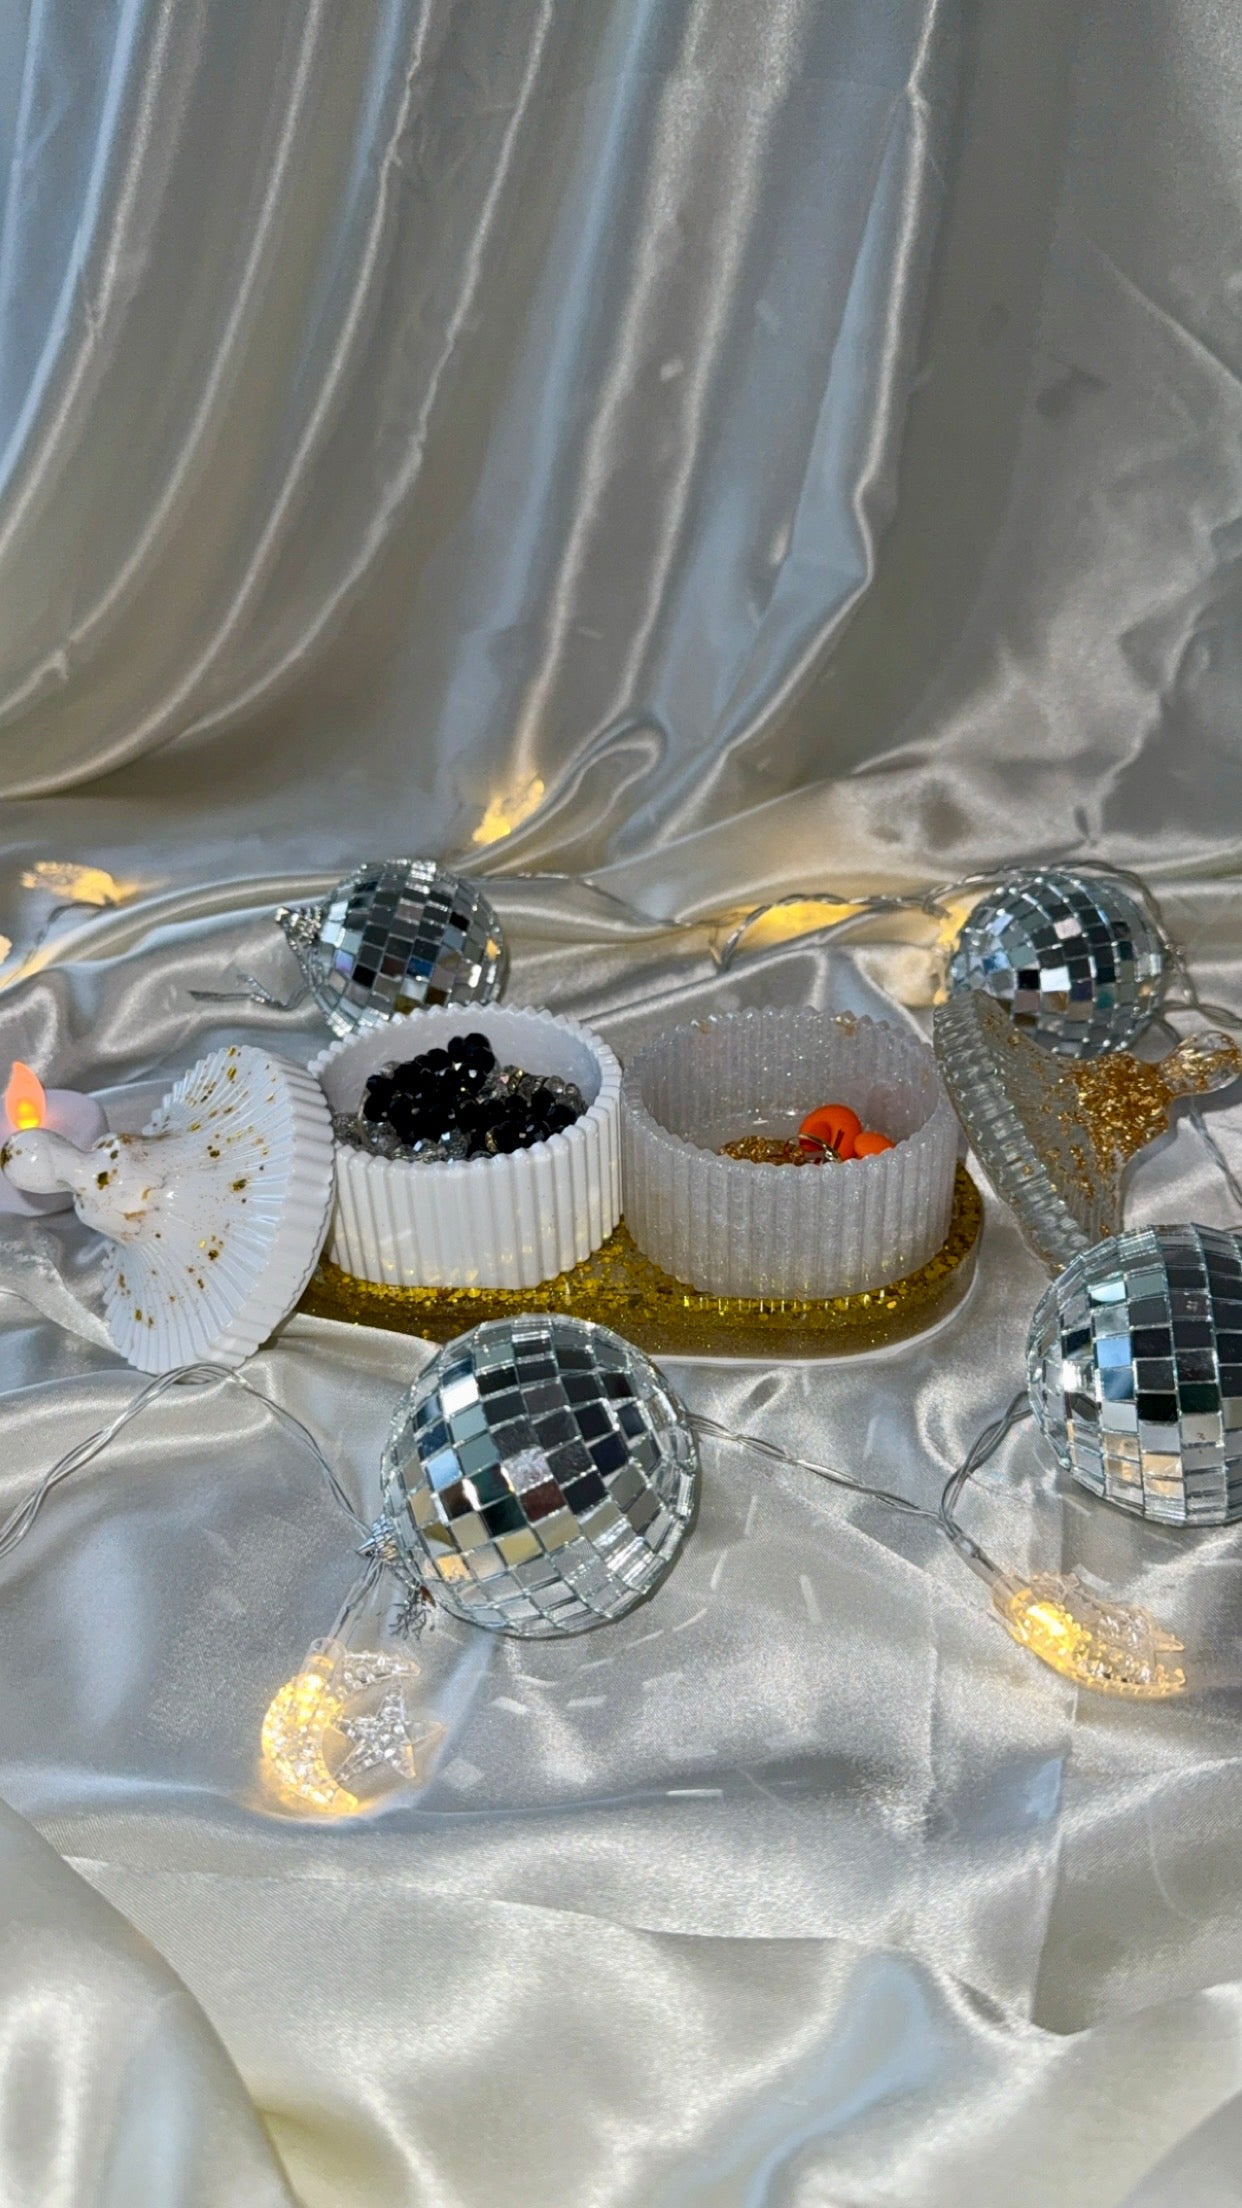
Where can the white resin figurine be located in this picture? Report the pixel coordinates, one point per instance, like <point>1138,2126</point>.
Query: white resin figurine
<point>217,1211</point>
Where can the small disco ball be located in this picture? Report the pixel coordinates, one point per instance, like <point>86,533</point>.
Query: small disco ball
<point>1074,956</point>
<point>1135,1370</point>
<point>398,934</point>
<point>542,1475</point>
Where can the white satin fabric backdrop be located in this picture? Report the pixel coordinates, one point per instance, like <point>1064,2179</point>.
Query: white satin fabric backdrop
<point>733,448</point>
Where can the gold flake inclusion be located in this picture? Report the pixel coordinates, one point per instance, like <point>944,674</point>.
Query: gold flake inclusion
<point>622,1289</point>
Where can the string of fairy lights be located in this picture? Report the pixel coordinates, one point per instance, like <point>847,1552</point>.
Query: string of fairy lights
<point>488,1518</point>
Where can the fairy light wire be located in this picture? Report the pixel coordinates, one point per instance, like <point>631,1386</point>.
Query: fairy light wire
<point>943,1516</point>
<point>376,1547</point>
<point>831,1473</point>
<point>934,903</point>
<point>1112,1648</point>
<point>20,1520</point>
<point>983,1448</point>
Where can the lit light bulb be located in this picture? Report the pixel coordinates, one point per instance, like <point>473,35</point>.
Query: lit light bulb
<point>345,1729</point>
<point>292,1742</point>
<point>81,885</point>
<point>1112,1647</point>
<point>504,814</point>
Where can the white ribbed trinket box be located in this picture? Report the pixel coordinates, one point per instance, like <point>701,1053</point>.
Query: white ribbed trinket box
<point>502,1222</point>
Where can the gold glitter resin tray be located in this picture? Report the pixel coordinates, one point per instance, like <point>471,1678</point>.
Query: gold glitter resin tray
<point>624,1290</point>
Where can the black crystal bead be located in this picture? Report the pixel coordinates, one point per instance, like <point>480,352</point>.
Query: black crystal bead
<point>406,1119</point>
<point>379,1095</point>
<point>408,1077</point>
<point>457,1102</point>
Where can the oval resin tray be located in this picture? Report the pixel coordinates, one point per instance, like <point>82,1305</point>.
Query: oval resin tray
<point>624,1290</point>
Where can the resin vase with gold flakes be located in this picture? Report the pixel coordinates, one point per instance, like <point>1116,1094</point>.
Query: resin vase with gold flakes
<point>1055,1136</point>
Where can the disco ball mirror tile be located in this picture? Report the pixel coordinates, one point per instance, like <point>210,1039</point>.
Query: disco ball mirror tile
<point>1135,1371</point>
<point>395,936</point>
<point>1074,957</point>
<point>542,1474</point>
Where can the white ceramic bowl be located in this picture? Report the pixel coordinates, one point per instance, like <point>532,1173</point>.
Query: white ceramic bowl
<point>733,1228</point>
<point>504,1222</point>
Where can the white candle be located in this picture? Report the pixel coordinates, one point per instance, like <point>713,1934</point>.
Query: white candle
<point>26,1104</point>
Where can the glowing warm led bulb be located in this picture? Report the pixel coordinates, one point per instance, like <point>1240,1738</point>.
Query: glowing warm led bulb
<point>505,813</point>
<point>1112,1647</point>
<point>344,1729</point>
<point>81,885</point>
<point>292,1742</point>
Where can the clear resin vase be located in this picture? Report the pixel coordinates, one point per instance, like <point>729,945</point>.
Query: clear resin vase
<point>734,1228</point>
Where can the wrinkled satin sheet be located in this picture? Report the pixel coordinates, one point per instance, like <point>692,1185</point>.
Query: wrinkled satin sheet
<point>734,450</point>
<point>801,1885</point>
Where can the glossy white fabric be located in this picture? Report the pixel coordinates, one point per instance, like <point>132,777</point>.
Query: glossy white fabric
<point>804,440</point>
<point>802,1884</point>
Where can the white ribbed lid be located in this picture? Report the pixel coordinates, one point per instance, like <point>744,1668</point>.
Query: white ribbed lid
<point>217,1211</point>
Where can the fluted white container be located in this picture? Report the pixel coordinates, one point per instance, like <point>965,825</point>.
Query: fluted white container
<point>504,1222</point>
<point>734,1228</point>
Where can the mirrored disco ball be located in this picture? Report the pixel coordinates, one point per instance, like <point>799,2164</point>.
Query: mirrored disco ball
<point>397,935</point>
<point>1074,956</point>
<point>1135,1371</point>
<point>542,1475</point>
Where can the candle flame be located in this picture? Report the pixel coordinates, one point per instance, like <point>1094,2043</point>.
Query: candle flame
<point>25,1101</point>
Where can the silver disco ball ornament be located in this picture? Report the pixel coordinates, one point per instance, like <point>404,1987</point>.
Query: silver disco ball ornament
<point>541,1475</point>
<point>1135,1372</point>
<point>1080,965</point>
<point>398,934</point>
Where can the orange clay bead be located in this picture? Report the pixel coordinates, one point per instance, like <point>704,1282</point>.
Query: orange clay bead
<point>869,1144</point>
<point>830,1127</point>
